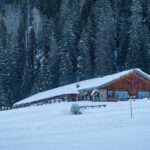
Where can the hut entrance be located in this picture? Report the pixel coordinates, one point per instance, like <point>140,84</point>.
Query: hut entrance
<point>99,95</point>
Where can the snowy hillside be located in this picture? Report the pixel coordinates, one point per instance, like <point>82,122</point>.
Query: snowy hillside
<point>53,127</point>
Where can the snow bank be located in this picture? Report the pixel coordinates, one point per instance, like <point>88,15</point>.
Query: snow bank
<point>53,127</point>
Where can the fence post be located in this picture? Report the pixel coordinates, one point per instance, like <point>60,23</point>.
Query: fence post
<point>131,107</point>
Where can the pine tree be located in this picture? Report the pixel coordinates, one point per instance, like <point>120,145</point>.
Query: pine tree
<point>135,51</point>
<point>54,60</point>
<point>28,74</point>
<point>14,83</point>
<point>67,46</point>
<point>84,64</point>
<point>104,54</point>
<point>42,77</point>
<point>49,70</point>
<point>121,11</point>
<point>19,57</point>
<point>146,12</point>
<point>3,61</point>
<point>145,49</point>
<point>5,65</point>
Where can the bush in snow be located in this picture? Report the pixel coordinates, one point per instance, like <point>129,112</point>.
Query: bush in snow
<point>75,109</point>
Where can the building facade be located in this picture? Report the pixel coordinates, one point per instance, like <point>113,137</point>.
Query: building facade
<point>117,87</point>
<point>133,84</point>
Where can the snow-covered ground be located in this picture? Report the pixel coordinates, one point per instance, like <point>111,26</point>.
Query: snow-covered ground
<point>53,127</point>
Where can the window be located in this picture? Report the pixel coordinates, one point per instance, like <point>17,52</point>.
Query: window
<point>143,94</point>
<point>121,95</point>
<point>96,96</point>
<point>110,94</point>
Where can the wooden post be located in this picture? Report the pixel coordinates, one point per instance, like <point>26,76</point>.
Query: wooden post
<point>131,107</point>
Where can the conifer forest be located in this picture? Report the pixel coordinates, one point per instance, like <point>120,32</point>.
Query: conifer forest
<point>50,43</point>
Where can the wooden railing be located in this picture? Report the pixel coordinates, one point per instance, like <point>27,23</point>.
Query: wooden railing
<point>4,108</point>
<point>44,102</point>
<point>91,106</point>
<point>38,103</point>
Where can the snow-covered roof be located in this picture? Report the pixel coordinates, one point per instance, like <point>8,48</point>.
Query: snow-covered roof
<point>101,81</point>
<point>83,85</point>
<point>49,94</point>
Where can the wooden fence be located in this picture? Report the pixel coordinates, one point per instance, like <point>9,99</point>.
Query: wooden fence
<point>3,108</point>
<point>38,103</point>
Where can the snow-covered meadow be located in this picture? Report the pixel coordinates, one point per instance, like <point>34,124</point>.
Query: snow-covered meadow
<point>53,127</point>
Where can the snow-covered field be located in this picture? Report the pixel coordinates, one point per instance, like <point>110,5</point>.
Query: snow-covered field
<point>53,127</point>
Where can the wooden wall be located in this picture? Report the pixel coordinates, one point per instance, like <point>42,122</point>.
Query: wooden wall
<point>133,83</point>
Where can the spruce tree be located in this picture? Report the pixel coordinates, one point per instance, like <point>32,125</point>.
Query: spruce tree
<point>84,64</point>
<point>104,53</point>
<point>134,59</point>
<point>28,74</point>
<point>5,65</point>
<point>3,62</point>
<point>145,50</point>
<point>67,45</point>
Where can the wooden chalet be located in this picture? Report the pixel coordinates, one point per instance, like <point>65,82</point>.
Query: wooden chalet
<point>133,83</point>
<point>117,87</point>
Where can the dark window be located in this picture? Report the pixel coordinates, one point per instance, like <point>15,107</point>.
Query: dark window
<point>121,95</point>
<point>110,94</point>
<point>143,94</point>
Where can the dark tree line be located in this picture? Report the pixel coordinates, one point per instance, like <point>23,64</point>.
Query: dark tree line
<point>49,43</point>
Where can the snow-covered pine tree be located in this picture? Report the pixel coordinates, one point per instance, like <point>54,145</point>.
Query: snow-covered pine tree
<point>42,80</point>
<point>135,51</point>
<point>121,11</point>
<point>5,65</point>
<point>14,82</point>
<point>145,49</point>
<point>3,61</point>
<point>68,45</point>
<point>146,12</point>
<point>28,74</point>
<point>20,52</point>
<point>84,64</point>
<point>49,68</point>
<point>105,36</point>
<point>54,60</point>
